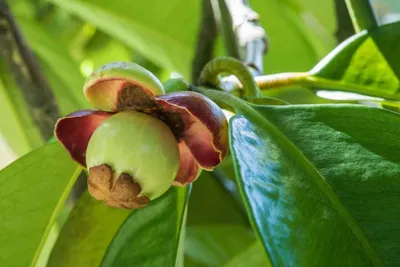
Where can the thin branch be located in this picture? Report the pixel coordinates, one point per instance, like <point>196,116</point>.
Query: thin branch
<point>224,19</point>
<point>205,44</point>
<point>205,40</point>
<point>362,14</point>
<point>251,36</point>
<point>306,79</point>
<point>344,27</point>
<point>27,73</point>
<point>241,30</point>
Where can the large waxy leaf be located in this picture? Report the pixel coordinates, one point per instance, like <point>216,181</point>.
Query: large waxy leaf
<point>32,191</point>
<point>366,63</point>
<point>323,185</point>
<point>167,34</point>
<point>158,33</point>
<point>91,225</point>
<point>87,233</point>
<point>152,236</point>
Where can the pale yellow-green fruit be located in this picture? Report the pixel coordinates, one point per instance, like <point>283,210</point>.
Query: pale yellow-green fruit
<point>103,87</point>
<point>137,144</point>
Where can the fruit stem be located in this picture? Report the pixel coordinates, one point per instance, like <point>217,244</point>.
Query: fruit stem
<point>307,80</point>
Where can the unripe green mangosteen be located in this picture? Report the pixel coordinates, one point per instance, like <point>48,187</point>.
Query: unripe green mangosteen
<point>104,87</point>
<point>133,145</point>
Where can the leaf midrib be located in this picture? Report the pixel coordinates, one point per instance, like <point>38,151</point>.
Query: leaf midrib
<point>181,218</point>
<point>55,213</point>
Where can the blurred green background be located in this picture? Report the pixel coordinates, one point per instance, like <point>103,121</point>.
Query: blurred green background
<point>72,38</point>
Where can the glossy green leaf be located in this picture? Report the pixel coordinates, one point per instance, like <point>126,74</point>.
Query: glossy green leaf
<point>87,233</point>
<point>151,236</point>
<point>366,63</point>
<point>215,245</point>
<point>32,191</point>
<point>322,188</point>
<point>157,33</point>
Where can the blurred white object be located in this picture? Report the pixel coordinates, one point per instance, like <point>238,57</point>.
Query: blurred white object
<point>336,95</point>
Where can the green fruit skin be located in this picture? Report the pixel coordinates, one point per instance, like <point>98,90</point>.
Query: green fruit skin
<point>105,98</point>
<point>139,145</point>
<point>128,71</point>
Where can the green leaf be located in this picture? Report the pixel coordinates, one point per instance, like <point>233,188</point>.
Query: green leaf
<point>32,192</point>
<point>61,70</point>
<point>210,203</point>
<point>151,236</point>
<point>322,188</point>
<point>215,245</point>
<point>366,63</point>
<point>253,256</point>
<point>87,233</point>
<point>323,14</point>
<point>294,44</point>
<point>16,124</point>
<point>157,33</point>
<point>102,49</point>
<point>217,224</point>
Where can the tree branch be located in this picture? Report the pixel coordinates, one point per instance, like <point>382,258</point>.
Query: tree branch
<point>27,73</point>
<point>224,18</point>
<point>251,36</point>
<point>241,31</point>
<point>205,40</point>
